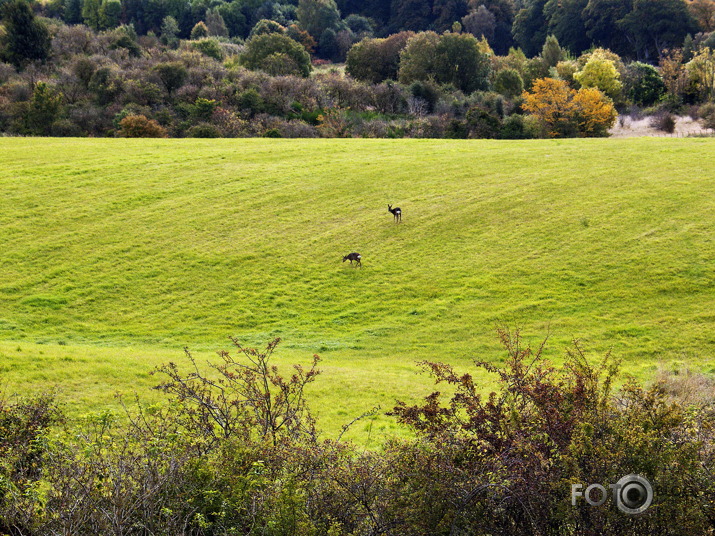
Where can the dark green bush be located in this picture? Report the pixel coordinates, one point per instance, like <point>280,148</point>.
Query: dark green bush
<point>482,124</point>
<point>203,130</point>
<point>263,46</point>
<point>509,83</point>
<point>209,47</point>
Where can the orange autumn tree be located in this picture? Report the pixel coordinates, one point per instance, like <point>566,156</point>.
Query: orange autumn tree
<point>564,112</point>
<point>595,114</point>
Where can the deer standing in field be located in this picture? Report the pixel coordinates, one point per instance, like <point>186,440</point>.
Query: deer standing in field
<point>396,212</point>
<point>353,257</point>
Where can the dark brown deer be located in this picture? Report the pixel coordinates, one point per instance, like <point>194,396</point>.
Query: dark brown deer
<point>353,257</point>
<point>396,212</point>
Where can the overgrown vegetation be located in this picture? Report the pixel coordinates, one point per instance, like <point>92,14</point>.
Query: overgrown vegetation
<point>253,64</point>
<point>213,461</point>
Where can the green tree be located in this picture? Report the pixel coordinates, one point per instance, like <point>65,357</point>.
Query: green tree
<point>503,11</point>
<point>235,18</point>
<point>199,31</point>
<point>208,47</point>
<point>417,60</point>
<point>600,72</point>
<point>529,28</point>
<point>656,25</point>
<point>316,16</point>
<point>72,12</point>
<point>359,25</point>
<point>600,18</point>
<point>702,71</point>
<point>509,83</point>
<point>481,22</point>
<point>262,46</point>
<point>169,31</point>
<point>446,12</point>
<point>265,26</point>
<point>448,59</point>
<point>552,53</point>
<point>644,85</point>
<point>215,23</point>
<point>460,63</point>
<point>90,13</point>
<point>172,75</point>
<point>414,15</point>
<point>565,21</point>
<point>44,109</point>
<point>26,39</point>
<point>376,60</point>
<point>110,13</point>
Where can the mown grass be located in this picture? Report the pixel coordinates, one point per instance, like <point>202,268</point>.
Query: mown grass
<point>118,253</point>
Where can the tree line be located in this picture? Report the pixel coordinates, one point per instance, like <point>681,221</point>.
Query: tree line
<point>636,29</point>
<point>94,79</point>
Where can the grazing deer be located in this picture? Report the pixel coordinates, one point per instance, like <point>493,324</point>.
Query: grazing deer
<point>396,212</point>
<point>353,257</point>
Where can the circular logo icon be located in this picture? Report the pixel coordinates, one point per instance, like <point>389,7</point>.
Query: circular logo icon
<point>633,494</point>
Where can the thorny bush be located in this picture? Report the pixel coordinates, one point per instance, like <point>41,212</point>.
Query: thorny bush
<point>236,452</point>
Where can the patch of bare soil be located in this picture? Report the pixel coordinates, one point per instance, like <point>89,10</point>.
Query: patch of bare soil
<point>629,127</point>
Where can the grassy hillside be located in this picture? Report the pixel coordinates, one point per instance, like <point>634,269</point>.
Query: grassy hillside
<point>117,253</point>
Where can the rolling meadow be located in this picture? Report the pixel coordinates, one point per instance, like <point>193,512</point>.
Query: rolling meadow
<point>117,254</point>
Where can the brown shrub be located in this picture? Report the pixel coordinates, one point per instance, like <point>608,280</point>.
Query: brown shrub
<point>664,122</point>
<point>138,126</point>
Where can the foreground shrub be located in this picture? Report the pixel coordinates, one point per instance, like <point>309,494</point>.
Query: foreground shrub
<point>236,452</point>
<point>515,453</point>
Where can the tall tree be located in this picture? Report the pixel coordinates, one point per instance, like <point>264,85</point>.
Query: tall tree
<point>653,26</point>
<point>415,15</point>
<point>565,21</point>
<point>73,12</point>
<point>552,53</point>
<point>90,13</point>
<point>503,11</point>
<point>703,11</point>
<point>600,18</point>
<point>448,59</point>
<point>235,19</point>
<point>215,23</point>
<point>110,12</point>
<point>446,12</point>
<point>481,22</point>
<point>530,25</point>
<point>26,38</point>
<point>316,16</point>
<point>460,63</point>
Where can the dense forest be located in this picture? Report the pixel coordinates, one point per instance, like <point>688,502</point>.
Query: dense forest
<point>412,68</point>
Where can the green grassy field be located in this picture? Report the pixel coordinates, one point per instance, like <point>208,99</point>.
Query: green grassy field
<point>115,254</point>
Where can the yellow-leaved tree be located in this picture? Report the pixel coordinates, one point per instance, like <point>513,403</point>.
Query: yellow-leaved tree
<point>564,112</point>
<point>596,113</point>
<point>701,71</point>
<point>600,72</point>
<point>551,102</point>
